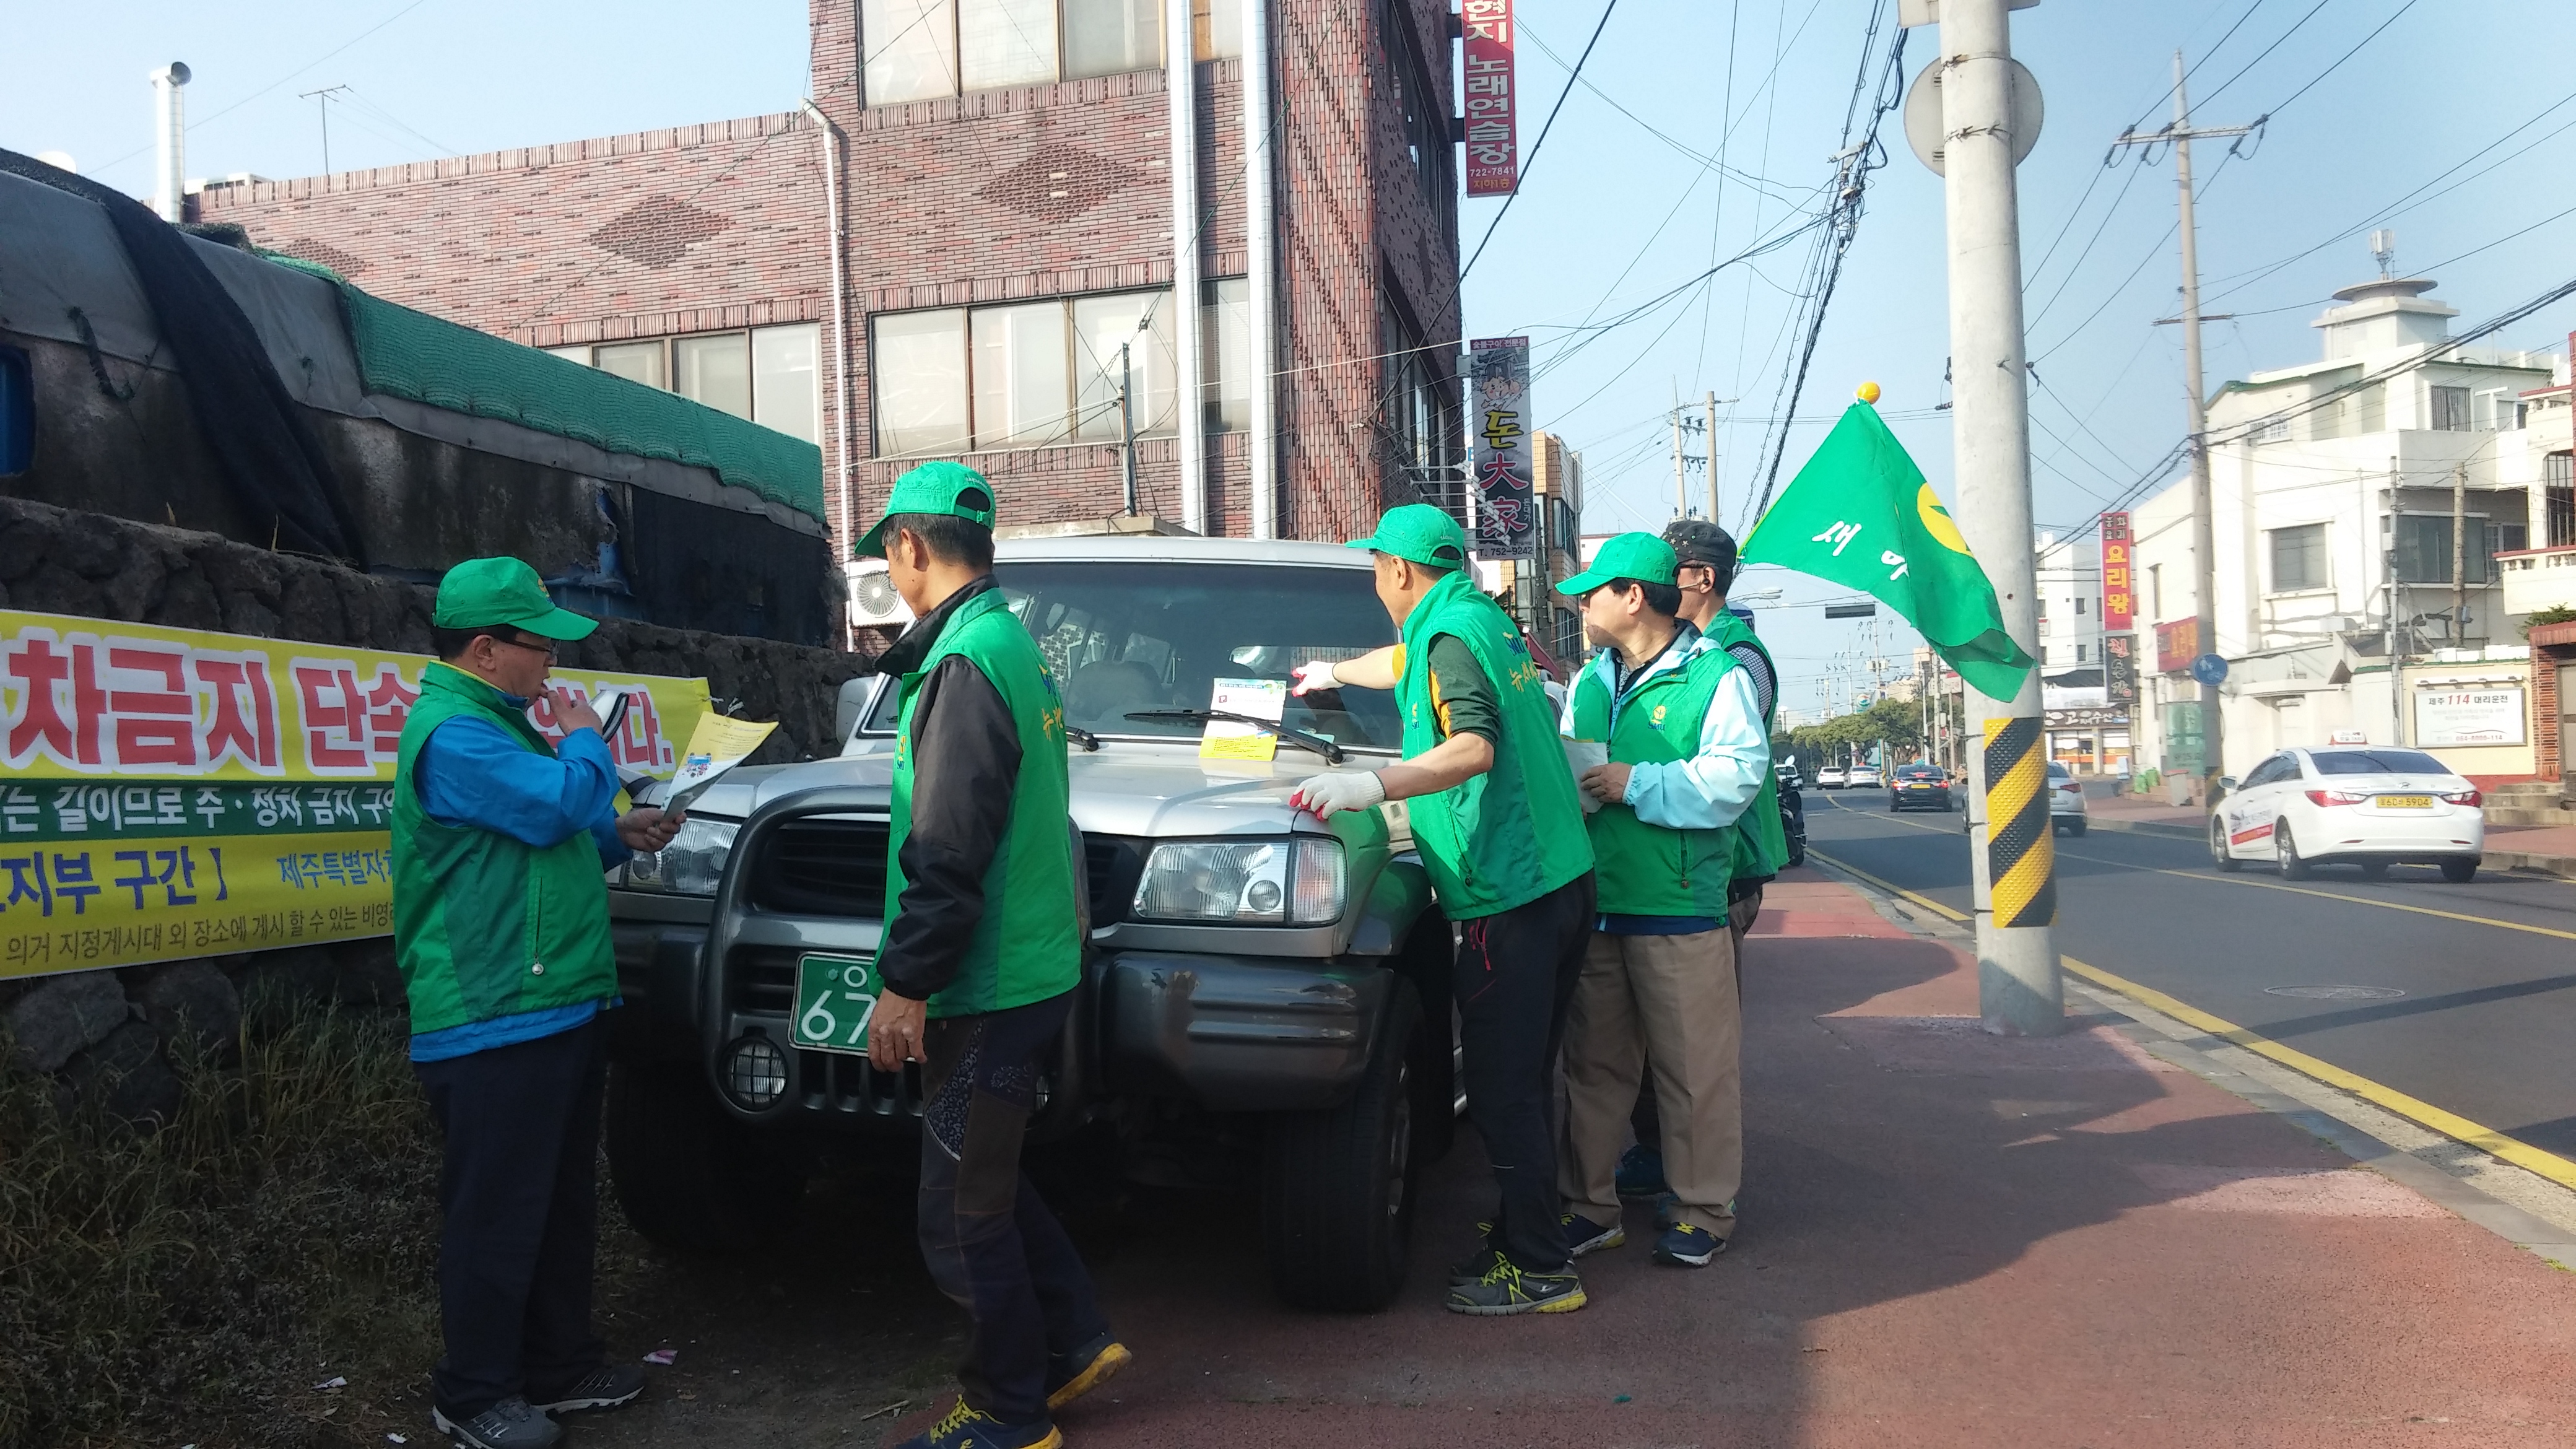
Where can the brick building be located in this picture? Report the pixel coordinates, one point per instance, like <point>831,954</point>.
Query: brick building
<point>1005,175</point>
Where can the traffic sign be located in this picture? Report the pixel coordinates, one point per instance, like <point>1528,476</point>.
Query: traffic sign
<point>2209,669</point>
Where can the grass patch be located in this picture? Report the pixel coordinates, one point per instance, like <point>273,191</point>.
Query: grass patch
<point>194,1283</point>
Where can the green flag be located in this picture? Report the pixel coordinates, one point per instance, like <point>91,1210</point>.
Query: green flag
<point>1859,513</point>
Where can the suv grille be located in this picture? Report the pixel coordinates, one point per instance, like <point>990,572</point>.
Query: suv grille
<point>1114,864</point>
<point>823,867</point>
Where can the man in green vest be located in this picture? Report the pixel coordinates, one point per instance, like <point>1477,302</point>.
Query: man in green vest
<point>1687,755</point>
<point>1496,817</point>
<point>1704,559</point>
<point>500,843</point>
<point>982,952</point>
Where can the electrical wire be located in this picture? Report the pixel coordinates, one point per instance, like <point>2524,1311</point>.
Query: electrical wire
<point>1530,160</point>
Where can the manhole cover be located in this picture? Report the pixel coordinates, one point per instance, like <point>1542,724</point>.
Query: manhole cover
<point>2336,993</point>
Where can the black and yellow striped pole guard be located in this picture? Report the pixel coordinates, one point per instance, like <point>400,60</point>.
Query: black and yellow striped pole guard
<point>2021,856</point>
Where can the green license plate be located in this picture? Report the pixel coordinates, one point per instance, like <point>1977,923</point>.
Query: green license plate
<point>835,997</point>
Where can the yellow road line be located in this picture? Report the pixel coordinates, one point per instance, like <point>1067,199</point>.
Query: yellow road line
<point>2424,1114</point>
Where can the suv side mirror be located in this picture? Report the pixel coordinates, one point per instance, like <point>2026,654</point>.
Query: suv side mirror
<point>2227,782</point>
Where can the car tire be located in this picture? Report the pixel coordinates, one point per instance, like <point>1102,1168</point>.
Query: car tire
<point>2374,870</point>
<point>1337,1186</point>
<point>1893,805</point>
<point>2078,825</point>
<point>2218,852</point>
<point>2294,866</point>
<point>688,1175</point>
<point>2460,871</point>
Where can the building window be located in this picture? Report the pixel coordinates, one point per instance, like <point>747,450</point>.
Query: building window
<point>1030,375</point>
<point>2272,430</point>
<point>2299,558</point>
<point>2079,606</point>
<point>2558,494</point>
<point>1225,340</point>
<point>2508,538</point>
<point>2424,549</point>
<point>1569,531</point>
<point>922,49</point>
<point>2079,653</point>
<point>770,375</point>
<point>2499,412</point>
<point>2450,409</point>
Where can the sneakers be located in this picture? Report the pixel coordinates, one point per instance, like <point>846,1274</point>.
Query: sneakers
<point>509,1424</point>
<point>968,1428</point>
<point>1640,1172</point>
<point>1505,1289</point>
<point>605,1387</point>
<point>1086,1368</point>
<point>1582,1235</point>
<point>1685,1246</point>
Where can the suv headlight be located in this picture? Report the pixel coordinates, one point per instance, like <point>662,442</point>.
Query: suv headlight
<point>1296,882</point>
<point>690,865</point>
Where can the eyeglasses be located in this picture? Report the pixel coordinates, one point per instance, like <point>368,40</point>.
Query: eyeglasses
<point>547,647</point>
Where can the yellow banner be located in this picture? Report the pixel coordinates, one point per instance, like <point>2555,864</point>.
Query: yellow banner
<point>167,793</point>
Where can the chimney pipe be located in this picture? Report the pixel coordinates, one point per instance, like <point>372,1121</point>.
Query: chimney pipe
<point>170,142</point>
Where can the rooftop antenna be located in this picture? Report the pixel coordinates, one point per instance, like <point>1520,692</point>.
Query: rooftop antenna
<point>2383,246</point>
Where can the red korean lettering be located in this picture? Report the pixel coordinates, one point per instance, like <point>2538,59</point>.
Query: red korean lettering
<point>335,719</point>
<point>49,677</point>
<point>153,726</point>
<point>388,702</point>
<point>244,722</point>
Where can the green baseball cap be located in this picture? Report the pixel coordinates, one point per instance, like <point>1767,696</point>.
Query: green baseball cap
<point>504,591</point>
<point>1639,556</point>
<point>1419,532</point>
<point>940,487</point>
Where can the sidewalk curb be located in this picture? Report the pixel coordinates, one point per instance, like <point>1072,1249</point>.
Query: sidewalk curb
<point>2146,827</point>
<point>2189,1048</point>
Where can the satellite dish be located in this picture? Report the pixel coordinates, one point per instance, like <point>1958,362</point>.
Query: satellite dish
<point>1924,129</point>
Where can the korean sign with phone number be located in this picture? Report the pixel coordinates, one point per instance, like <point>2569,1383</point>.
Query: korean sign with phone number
<point>167,793</point>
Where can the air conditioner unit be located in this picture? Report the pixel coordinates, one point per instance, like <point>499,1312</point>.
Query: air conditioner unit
<point>873,601</point>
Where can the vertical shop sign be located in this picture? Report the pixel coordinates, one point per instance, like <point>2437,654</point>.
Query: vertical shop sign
<point>2119,598</point>
<point>1506,510</point>
<point>1493,142</point>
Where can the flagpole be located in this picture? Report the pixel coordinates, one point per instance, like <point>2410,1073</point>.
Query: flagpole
<point>2018,990</point>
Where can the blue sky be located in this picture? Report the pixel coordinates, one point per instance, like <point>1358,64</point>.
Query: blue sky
<point>1613,214</point>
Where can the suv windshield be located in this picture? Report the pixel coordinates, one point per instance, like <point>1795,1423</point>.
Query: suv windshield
<point>1124,638</point>
<point>2377,762</point>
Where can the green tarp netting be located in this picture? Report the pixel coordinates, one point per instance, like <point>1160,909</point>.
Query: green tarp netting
<point>408,354</point>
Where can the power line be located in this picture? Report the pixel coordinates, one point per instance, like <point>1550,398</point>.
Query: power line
<point>1531,160</point>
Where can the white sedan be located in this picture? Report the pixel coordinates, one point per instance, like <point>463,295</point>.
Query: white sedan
<point>2353,805</point>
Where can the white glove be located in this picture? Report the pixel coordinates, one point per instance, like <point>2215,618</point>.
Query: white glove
<point>1341,790</point>
<point>1313,675</point>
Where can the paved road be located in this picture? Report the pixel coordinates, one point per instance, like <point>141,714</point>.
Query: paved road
<point>2488,1015</point>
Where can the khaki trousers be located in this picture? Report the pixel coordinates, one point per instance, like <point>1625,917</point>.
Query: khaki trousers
<point>1671,1001</point>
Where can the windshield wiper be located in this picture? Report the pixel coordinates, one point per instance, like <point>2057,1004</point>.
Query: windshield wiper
<point>1083,737</point>
<point>1317,743</point>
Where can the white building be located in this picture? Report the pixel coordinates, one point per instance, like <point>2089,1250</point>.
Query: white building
<point>2336,487</point>
<point>2081,734</point>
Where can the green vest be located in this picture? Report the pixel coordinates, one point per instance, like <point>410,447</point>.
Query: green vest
<point>485,925</point>
<point>1028,944</point>
<point>1655,870</point>
<point>1761,845</point>
<point>1514,833</point>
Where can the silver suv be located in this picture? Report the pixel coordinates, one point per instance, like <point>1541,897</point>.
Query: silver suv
<point>1265,1002</point>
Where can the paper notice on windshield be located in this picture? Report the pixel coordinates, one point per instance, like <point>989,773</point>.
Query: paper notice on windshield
<point>715,746</point>
<point>1582,755</point>
<point>1226,739</point>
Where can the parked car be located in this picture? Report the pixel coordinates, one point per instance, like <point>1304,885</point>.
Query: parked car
<point>1830,778</point>
<point>2361,805</point>
<point>2066,812</point>
<point>1265,1003</point>
<point>1927,786</point>
<point>1861,777</point>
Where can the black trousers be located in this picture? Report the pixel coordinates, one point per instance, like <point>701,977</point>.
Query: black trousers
<point>1514,976</point>
<point>520,1193</point>
<point>991,1245</point>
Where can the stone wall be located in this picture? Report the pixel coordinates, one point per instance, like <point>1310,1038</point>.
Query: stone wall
<point>115,1031</point>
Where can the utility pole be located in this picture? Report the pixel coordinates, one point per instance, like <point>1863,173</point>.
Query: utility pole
<point>324,96</point>
<point>1127,426</point>
<point>2204,528</point>
<point>1681,491</point>
<point>2460,555</point>
<point>2018,988</point>
<point>1710,402</point>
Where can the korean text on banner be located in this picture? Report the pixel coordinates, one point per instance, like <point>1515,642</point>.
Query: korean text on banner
<point>1493,140</point>
<point>167,793</point>
<point>1506,508</point>
<point>2119,596</point>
